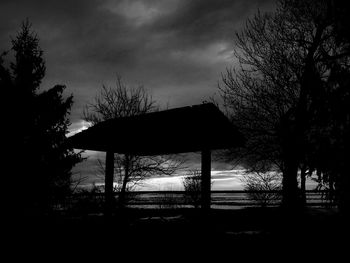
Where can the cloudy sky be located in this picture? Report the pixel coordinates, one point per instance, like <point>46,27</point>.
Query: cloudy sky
<point>177,49</point>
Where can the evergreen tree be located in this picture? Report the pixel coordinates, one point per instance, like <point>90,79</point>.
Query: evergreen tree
<point>40,158</point>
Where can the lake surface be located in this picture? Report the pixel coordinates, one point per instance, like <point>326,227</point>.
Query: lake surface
<point>224,180</point>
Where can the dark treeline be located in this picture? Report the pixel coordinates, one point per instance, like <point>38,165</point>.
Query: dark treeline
<point>290,95</point>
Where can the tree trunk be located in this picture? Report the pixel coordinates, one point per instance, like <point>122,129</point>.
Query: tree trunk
<point>331,188</point>
<point>206,180</point>
<point>109,176</point>
<point>303,185</point>
<point>344,194</point>
<point>125,182</point>
<point>290,198</point>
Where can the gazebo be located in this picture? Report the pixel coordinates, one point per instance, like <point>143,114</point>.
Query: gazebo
<point>194,128</point>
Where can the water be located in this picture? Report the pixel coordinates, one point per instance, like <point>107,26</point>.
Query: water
<point>224,180</point>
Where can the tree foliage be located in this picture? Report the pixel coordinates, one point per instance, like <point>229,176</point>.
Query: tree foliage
<point>43,162</point>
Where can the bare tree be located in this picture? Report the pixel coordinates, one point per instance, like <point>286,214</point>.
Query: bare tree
<point>124,101</point>
<point>117,102</point>
<point>263,187</point>
<point>277,94</point>
<point>192,183</point>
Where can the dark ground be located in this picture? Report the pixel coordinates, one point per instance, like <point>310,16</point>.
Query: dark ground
<point>254,233</point>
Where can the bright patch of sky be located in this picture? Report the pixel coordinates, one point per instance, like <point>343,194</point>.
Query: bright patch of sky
<point>78,127</point>
<point>225,180</point>
<point>221,180</point>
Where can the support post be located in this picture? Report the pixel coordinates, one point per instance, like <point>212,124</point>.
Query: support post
<point>206,179</point>
<point>109,174</point>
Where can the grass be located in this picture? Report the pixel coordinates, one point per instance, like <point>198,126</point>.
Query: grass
<point>139,232</point>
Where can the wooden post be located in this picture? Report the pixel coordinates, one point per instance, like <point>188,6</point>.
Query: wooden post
<point>206,179</point>
<point>109,174</point>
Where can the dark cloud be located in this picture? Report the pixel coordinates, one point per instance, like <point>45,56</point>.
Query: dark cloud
<point>199,22</point>
<point>177,49</point>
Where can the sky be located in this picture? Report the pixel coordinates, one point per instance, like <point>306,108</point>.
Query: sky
<point>176,49</point>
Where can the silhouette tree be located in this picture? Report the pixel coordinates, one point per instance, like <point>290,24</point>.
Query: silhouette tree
<point>291,62</point>
<point>43,172</point>
<point>192,183</point>
<point>123,101</point>
<point>263,188</point>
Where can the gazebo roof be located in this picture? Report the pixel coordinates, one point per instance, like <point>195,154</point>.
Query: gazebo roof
<point>187,129</point>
